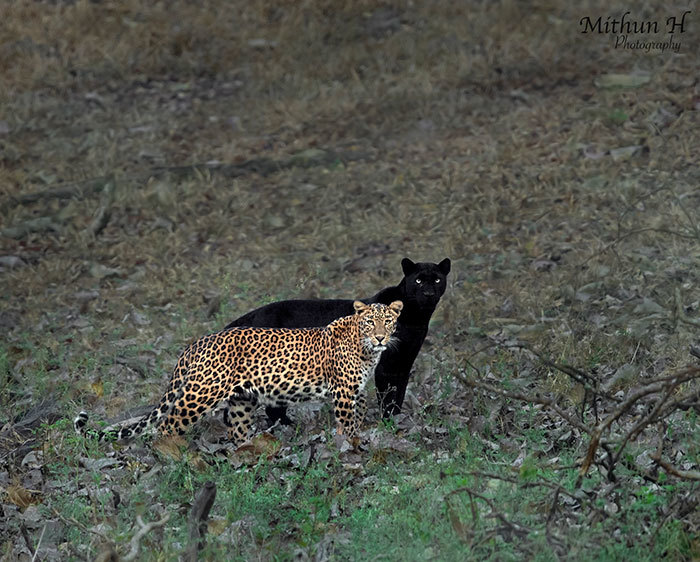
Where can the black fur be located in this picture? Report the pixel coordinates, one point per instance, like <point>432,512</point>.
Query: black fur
<point>420,294</point>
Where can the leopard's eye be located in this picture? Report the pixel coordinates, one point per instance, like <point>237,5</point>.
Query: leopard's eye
<point>437,280</point>
<point>418,281</point>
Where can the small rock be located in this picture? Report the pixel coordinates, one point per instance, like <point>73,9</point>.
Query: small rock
<point>100,271</point>
<point>11,262</point>
<point>262,43</point>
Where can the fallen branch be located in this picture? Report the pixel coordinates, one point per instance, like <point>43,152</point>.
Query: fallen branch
<point>643,423</point>
<point>540,482</point>
<point>72,521</point>
<point>199,513</point>
<point>103,214</point>
<point>135,543</point>
<point>683,474</point>
<point>263,166</point>
<point>660,409</point>
<point>578,375</point>
<point>622,237</point>
<point>654,387</point>
<point>39,224</point>
<point>550,403</point>
<point>64,191</point>
<point>680,310</point>
<point>515,528</point>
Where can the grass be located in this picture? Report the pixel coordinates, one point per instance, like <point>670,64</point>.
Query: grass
<point>484,138</point>
<point>391,506</point>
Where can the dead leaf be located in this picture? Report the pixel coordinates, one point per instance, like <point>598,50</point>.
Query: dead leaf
<point>217,525</point>
<point>97,388</point>
<point>100,271</point>
<point>20,496</point>
<point>626,152</point>
<point>622,80</point>
<point>463,531</point>
<point>262,444</point>
<point>171,446</point>
<point>649,306</point>
<point>99,464</point>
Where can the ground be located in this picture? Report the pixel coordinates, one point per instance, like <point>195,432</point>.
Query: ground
<point>165,168</point>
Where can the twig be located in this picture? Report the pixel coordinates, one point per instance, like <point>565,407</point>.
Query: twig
<point>553,507</point>
<point>579,376</point>
<point>692,500</point>
<point>199,513</point>
<point>27,540</point>
<point>680,311</point>
<point>103,214</point>
<point>525,398</point>
<point>39,224</point>
<point>62,191</point>
<point>38,545</point>
<point>135,543</point>
<point>690,400</point>
<point>632,233</point>
<point>262,166</point>
<point>684,474</point>
<point>304,472</point>
<point>517,529</point>
<point>632,434</point>
<point>651,388</point>
<point>74,521</point>
<point>541,482</point>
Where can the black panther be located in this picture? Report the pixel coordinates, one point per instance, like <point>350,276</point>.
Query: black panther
<point>420,291</point>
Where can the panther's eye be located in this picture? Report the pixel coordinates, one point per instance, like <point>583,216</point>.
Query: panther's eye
<point>437,280</point>
<point>418,281</point>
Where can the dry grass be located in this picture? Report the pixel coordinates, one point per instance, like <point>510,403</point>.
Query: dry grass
<point>486,138</point>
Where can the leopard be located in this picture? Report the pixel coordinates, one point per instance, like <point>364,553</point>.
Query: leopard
<point>237,369</point>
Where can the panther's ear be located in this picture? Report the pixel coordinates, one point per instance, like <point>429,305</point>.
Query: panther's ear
<point>408,266</point>
<point>359,306</point>
<point>445,266</point>
<point>396,307</point>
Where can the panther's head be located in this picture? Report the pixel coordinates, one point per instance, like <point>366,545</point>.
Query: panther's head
<point>424,283</point>
<point>377,322</point>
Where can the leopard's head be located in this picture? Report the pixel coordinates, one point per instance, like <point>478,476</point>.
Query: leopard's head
<point>377,322</point>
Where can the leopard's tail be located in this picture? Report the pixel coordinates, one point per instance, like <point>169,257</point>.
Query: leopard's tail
<point>150,420</point>
<point>128,431</point>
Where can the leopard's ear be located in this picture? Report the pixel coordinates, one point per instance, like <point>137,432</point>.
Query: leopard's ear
<point>396,307</point>
<point>445,266</point>
<point>359,306</point>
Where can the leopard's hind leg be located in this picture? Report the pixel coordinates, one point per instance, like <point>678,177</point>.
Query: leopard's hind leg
<point>191,405</point>
<point>238,417</point>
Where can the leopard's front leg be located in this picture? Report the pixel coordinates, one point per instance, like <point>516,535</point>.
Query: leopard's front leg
<point>360,411</point>
<point>346,400</point>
